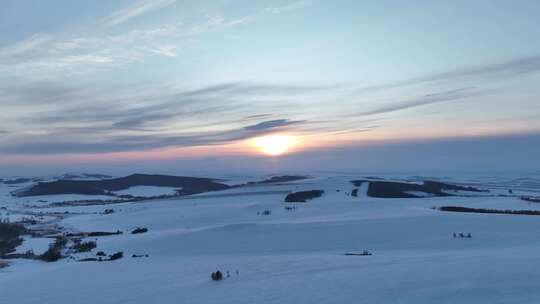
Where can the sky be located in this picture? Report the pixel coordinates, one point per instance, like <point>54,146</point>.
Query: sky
<point>186,86</point>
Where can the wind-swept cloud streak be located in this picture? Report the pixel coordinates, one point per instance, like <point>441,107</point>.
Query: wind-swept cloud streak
<point>139,8</point>
<point>272,124</point>
<point>158,116</point>
<point>54,144</point>
<point>427,99</point>
<point>494,71</point>
<point>254,116</point>
<point>146,100</point>
<point>149,117</point>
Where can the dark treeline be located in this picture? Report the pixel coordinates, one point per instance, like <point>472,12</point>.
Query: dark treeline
<point>481,210</point>
<point>188,185</point>
<point>392,189</point>
<point>303,196</point>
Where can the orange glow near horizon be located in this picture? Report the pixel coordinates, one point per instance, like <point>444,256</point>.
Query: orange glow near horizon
<point>274,145</point>
<point>271,145</point>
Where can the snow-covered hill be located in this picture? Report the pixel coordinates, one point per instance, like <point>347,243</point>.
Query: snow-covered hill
<point>294,253</point>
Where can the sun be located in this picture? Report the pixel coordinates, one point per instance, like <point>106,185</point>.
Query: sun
<point>274,145</point>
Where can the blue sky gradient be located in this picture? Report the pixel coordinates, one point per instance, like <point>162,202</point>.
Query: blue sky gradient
<point>82,79</point>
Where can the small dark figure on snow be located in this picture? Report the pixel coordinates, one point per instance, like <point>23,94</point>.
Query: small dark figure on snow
<point>237,272</point>
<point>469,235</point>
<point>461,235</point>
<point>217,276</point>
<point>228,274</point>
<point>454,235</point>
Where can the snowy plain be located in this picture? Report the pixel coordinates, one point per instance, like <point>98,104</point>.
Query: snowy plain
<point>291,256</point>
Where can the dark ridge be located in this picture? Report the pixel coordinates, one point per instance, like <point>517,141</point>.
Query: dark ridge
<point>386,189</point>
<point>279,179</point>
<point>189,185</point>
<point>303,196</point>
<point>491,211</point>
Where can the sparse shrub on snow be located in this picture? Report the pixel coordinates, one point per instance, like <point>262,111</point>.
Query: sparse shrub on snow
<point>303,196</point>
<point>217,276</point>
<point>116,256</point>
<point>84,246</point>
<point>54,253</point>
<point>139,230</point>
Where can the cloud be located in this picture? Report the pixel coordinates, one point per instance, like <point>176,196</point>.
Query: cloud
<point>26,48</point>
<point>67,55</point>
<point>501,69</point>
<point>494,71</point>
<point>423,100</point>
<point>288,7</point>
<point>258,116</point>
<point>147,99</point>
<point>54,115</point>
<point>271,124</point>
<point>214,89</point>
<point>139,8</point>
<point>144,117</point>
<point>139,121</point>
<point>58,143</point>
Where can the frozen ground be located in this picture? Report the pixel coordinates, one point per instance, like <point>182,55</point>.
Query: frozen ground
<point>292,256</point>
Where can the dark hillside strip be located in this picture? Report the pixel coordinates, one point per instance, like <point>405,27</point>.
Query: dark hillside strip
<point>387,189</point>
<point>189,185</point>
<point>490,211</point>
<point>303,196</point>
